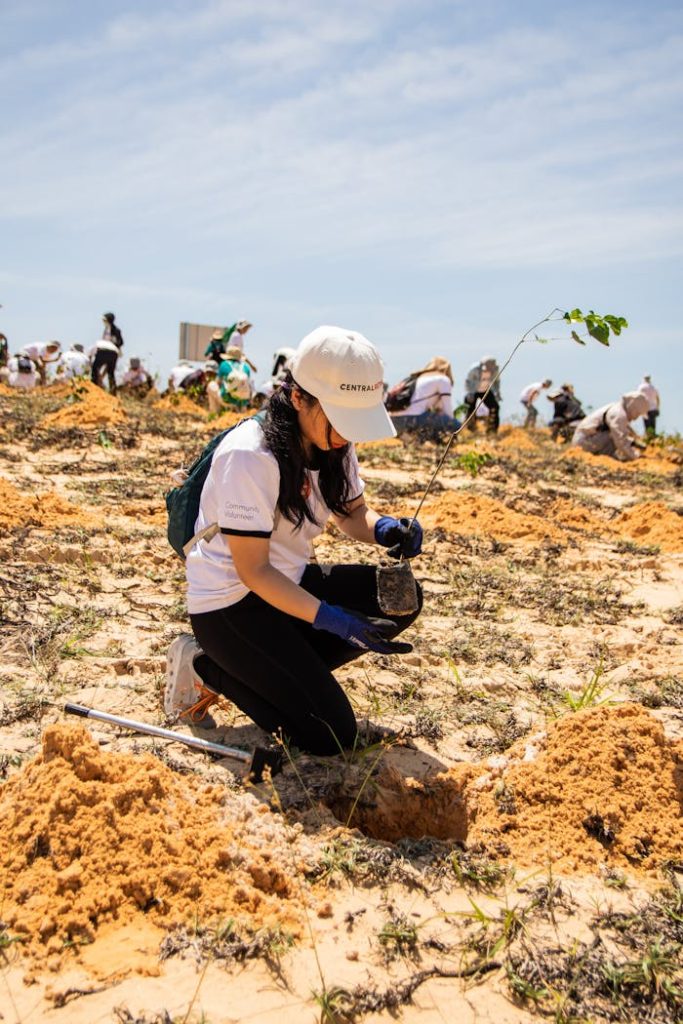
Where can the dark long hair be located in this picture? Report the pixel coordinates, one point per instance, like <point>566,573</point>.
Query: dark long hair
<point>283,439</point>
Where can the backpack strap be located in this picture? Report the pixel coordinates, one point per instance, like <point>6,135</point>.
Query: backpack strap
<point>208,533</point>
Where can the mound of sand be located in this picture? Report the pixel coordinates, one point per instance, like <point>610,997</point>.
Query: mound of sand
<point>86,406</point>
<point>88,838</point>
<point>606,786</point>
<point>649,462</point>
<point>46,510</point>
<point>181,405</point>
<point>470,515</point>
<point>516,439</point>
<point>652,523</point>
<point>602,786</point>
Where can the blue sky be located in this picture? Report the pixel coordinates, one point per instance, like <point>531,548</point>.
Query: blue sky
<point>437,176</point>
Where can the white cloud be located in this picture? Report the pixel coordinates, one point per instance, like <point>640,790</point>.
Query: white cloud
<point>301,123</point>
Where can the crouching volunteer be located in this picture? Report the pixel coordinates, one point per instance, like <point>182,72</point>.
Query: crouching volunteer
<point>269,627</point>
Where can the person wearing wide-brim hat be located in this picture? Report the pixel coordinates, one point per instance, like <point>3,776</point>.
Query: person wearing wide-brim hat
<point>269,627</point>
<point>215,348</point>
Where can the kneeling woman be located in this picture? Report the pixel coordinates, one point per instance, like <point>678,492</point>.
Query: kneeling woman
<point>270,628</point>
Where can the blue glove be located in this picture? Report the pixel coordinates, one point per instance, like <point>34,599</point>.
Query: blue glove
<point>403,537</point>
<point>359,630</point>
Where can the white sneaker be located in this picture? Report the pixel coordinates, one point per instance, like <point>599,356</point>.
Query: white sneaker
<point>183,685</point>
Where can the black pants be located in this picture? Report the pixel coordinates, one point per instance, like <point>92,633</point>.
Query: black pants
<point>491,403</point>
<point>277,669</point>
<point>651,422</point>
<point>104,362</point>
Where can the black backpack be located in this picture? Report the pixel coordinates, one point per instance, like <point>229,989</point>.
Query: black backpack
<point>182,502</point>
<point>401,395</point>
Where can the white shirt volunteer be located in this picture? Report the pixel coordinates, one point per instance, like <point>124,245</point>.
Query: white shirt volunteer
<point>236,340</point>
<point>531,391</point>
<point>178,375</point>
<point>20,380</point>
<point>240,494</point>
<point>134,378</point>
<point>73,364</point>
<point>433,393</point>
<point>651,393</point>
<point>38,351</point>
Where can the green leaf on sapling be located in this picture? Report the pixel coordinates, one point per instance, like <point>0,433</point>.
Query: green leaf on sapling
<point>598,330</point>
<point>577,338</point>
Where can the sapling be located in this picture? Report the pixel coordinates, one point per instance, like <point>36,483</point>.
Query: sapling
<point>597,326</point>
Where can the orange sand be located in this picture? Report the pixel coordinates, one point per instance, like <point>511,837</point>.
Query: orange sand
<point>516,438</point>
<point>47,510</point>
<point>388,442</point>
<point>179,404</point>
<point>577,517</point>
<point>148,511</point>
<point>88,838</point>
<point>649,462</point>
<point>227,419</point>
<point>470,515</point>
<point>94,408</point>
<point>652,523</point>
<point>608,770</point>
<point>602,786</point>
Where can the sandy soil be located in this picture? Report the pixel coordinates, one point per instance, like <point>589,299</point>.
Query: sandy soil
<point>510,822</point>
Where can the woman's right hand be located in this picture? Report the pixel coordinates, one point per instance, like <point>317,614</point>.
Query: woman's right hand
<point>362,631</point>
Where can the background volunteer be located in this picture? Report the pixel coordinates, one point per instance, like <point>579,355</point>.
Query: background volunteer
<point>431,405</point>
<point>608,431</point>
<point>271,626</point>
<point>528,396</point>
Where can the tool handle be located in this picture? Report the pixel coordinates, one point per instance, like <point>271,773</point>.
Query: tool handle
<point>163,734</point>
<point>77,709</point>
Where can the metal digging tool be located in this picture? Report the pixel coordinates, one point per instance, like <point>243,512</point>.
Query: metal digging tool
<point>260,759</point>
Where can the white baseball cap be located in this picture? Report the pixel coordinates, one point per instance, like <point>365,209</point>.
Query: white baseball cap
<point>343,370</point>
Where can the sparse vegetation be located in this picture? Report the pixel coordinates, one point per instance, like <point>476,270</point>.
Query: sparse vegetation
<point>513,636</point>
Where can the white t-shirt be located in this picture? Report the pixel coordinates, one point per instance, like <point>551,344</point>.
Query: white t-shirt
<point>38,350</point>
<point>651,393</point>
<point>178,375</point>
<point>433,393</point>
<point>134,378</point>
<point>20,380</point>
<point>531,391</point>
<point>236,340</point>
<point>240,494</point>
<point>72,364</point>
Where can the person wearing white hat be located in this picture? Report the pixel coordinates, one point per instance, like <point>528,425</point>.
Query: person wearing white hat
<point>608,431</point>
<point>269,627</point>
<point>41,355</point>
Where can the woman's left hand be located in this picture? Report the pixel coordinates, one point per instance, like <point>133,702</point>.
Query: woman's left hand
<point>403,536</point>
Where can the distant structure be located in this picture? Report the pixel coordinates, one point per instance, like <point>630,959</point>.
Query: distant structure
<point>194,339</point>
